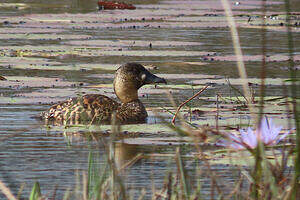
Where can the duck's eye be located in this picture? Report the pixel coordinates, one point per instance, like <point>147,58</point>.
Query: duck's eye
<point>143,77</point>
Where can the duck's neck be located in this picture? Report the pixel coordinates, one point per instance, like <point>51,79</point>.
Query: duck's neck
<point>127,96</point>
<point>125,91</point>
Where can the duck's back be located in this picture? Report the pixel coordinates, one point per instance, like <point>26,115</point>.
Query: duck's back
<point>90,108</point>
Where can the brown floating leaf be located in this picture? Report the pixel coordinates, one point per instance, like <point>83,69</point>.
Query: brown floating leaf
<point>2,78</point>
<point>111,5</point>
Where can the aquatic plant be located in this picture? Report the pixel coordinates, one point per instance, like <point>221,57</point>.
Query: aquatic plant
<point>267,133</point>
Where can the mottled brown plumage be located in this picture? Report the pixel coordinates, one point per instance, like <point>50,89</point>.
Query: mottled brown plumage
<point>97,108</point>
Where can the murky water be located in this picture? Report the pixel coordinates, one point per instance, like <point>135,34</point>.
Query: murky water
<point>53,50</point>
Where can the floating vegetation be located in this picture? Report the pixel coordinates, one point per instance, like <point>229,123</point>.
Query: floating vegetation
<point>14,5</point>
<point>131,43</point>
<point>105,130</point>
<point>111,5</point>
<point>33,82</point>
<point>2,78</point>
<point>238,81</point>
<point>255,58</point>
<point>42,37</point>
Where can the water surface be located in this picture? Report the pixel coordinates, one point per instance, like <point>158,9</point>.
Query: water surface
<point>51,50</point>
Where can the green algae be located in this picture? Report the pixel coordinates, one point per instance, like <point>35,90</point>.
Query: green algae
<point>244,158</point>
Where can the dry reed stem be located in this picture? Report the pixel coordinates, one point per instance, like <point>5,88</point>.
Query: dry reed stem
<point>153,189</point>
<point>236,189</point>
<point>85,186</point>
<point>180,168</point>
<point>2,78</point>
<point>169,187</point>
<point>143,194</point>
<point>67,194</point>
<point>6,191</point>
<point>182,104</point>
<point>21,190</point>
<point>132,161</point>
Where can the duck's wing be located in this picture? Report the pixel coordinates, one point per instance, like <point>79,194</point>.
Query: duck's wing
<point>132,112</point>
<point>87,109</point>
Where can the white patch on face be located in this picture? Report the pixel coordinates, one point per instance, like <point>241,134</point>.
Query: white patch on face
<point>143,76</point>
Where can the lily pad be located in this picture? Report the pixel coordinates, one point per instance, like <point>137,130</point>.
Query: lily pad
<point>271,58</point>
<point>275,28</point>
<point>244,158</point>
<point>36,36</point>
<point>238,81</point>
<point>22,30</point>
<point>166,141</point>
<point>18,82</point>
<point>129,43</point>
<point>157,53</point>
<point>151,128</point>
<point>14,5</point>
<point>25,61</point>
<point>60,50</point>
<point>207,5</point>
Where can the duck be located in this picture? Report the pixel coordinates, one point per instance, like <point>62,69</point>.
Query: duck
<point>100,109</point>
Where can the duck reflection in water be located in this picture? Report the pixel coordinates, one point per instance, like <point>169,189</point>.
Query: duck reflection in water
<point>126,155</point>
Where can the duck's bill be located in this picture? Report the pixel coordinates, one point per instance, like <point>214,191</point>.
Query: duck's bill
<point>152,79</point>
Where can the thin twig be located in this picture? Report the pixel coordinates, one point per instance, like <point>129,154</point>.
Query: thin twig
<point>182,104</point>
<point>142,194</point>
<point>132,161</point>
<point>217,116</point>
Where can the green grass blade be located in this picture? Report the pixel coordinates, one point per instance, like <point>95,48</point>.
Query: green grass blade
<point>294,89</point>
<point>184,185</point>
<point>35,192</point>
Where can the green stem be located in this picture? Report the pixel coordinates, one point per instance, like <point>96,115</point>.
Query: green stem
<point>293,87</point>
<point>257,174</point>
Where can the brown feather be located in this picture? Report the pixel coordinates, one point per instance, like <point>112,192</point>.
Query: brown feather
<point>91,108</point>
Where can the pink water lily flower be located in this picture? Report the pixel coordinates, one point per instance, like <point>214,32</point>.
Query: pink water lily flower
<point>267,133</point>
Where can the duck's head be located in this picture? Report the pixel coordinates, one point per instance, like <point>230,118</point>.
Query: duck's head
<point>129,78</point>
